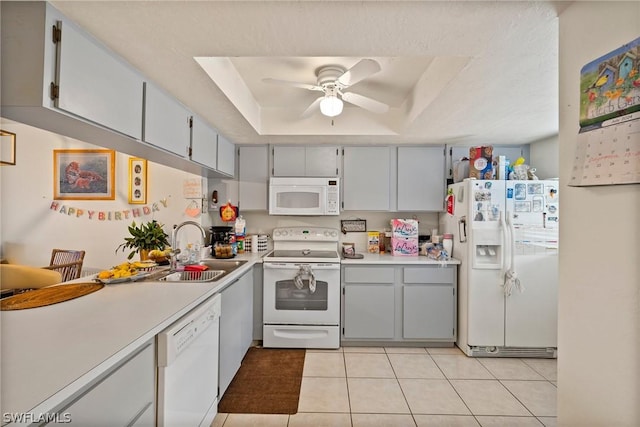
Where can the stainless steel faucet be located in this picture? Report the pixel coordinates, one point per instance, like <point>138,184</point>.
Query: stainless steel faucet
<point>175,250</point>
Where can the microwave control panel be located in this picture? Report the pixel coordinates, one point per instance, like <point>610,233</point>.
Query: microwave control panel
<point>333,198</point>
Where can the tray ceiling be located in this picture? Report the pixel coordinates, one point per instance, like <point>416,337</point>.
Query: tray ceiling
<point>467,72</point>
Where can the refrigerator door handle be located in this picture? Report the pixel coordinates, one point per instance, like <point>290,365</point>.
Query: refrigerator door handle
<point>505,246</point>
<point>462,229</point>
<point>511,279</point>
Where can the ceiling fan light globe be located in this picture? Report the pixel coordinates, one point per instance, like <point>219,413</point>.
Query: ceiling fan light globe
<point>331,106</point>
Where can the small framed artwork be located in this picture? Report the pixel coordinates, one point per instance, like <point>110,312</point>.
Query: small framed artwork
<point>137,181</point>
<point>7,148</point>
<point>84,174</point>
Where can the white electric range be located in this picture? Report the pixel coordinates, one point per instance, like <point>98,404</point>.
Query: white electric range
<point>302,289</point>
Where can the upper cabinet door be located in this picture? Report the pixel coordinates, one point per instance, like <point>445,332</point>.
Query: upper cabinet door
<point>322,161</point>
<point>166,121</point>
<point>288,161</point>
<point>366,178</point>
<point>253,177</point>
<point>421,178</point>
<point>96,85</point>
<point>226,156</point>
<point>305,161</point>
<point>204,143</point>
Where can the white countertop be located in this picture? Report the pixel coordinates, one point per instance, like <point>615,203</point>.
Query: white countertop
<point>387,258</point>
<point>51,352</point>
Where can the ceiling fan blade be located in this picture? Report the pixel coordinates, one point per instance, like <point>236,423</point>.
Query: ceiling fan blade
<point>293,84</point>
<point>365,102</point>
<point>315,105</point>
<point>363,69</point>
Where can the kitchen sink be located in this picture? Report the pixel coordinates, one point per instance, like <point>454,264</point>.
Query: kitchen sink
<point>220,264</point>
<point>194,276</point>
<point>217,269</point>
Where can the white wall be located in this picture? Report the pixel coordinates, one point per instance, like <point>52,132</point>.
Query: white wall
<point>544,157</point>
<point>599,297</point>
<point>262,223</point>
<point>30,229</point>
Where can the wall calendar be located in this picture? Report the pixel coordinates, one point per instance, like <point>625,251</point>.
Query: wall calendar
<point>608,145</point>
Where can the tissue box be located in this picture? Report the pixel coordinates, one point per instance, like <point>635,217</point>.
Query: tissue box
<point>481,162</point>
<point>373,242</point>
<point>404,228</point>
<point>404,246</point>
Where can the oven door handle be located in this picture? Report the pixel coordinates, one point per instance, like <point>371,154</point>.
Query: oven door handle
<point>295,266</point>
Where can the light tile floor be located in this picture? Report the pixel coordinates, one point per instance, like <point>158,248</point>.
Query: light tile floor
<point>417,387</point>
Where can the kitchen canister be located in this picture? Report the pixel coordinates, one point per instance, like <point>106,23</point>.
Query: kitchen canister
<point>447,243</point>
<point>262,242</point>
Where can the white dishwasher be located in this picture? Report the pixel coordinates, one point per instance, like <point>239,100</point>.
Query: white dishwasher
<point>188,368</point>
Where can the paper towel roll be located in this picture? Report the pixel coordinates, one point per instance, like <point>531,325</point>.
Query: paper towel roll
<point>254,243</point>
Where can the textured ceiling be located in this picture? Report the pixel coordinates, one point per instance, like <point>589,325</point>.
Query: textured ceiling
<point>466,72</point>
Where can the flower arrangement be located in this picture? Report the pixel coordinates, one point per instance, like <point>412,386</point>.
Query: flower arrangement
<point>144,238</point>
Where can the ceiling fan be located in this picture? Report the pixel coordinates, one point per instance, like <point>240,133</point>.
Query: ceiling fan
<point>333,80</point>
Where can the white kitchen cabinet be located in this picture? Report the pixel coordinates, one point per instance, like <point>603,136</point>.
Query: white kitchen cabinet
<point>428,310</point>
<point>399,303</point>
<point>94,84</point>
<point>166,121</point>
<point>123,396</point>
<point>319,161</point>
<point>236,328</point>
<point>369,307</point>
<point>226,156</point>
<point>253,177</point>
<point>366,178</point>
<point>288,160</point>
<point>204,143</point>
<point>258,294</point>
<point>421,178</point>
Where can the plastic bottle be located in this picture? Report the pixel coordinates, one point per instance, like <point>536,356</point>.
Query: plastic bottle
<point>447,243</point>
<point>240,230</point>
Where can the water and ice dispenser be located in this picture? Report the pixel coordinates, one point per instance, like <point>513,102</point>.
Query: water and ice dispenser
<point>487,248</point>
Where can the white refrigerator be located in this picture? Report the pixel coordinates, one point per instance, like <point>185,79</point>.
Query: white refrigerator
<point>505,234</point>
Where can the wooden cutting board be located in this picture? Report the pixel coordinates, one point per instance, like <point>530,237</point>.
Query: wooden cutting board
<point>47,296</point>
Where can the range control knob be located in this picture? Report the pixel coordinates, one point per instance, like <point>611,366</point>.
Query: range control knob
<point>326,233</point>
<point>334,233</point>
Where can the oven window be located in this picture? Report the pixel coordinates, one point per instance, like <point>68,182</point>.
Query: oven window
<point>298,200</point>
<point>289,297</point>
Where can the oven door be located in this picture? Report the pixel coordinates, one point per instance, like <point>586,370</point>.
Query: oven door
<point>285,303</point>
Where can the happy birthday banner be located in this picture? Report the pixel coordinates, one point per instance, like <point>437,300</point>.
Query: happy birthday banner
<point>107,215</point>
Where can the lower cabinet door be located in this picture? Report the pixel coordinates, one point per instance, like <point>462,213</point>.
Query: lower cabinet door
<point>369,311</point>
<point>124,397</point>
<point>428,312</point>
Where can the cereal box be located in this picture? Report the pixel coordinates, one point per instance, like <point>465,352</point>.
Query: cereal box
<point>481,162</point>
<point>404,228</point>
<point>373,242</point>
<point>404,246</point>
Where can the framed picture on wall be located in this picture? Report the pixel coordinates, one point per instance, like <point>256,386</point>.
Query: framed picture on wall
<point>137,181</point>
<point>7,148</point>
<point>84,174</point>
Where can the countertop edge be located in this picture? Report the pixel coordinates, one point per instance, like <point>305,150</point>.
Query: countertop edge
<point>397,260</point>
<point>73,388</point>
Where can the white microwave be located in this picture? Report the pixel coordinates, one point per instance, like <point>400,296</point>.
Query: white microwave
<point>304,196</point>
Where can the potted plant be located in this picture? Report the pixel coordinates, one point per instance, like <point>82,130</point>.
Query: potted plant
<point>144,238</point>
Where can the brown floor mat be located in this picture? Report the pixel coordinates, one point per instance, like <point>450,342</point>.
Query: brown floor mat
<point>268,382</point>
